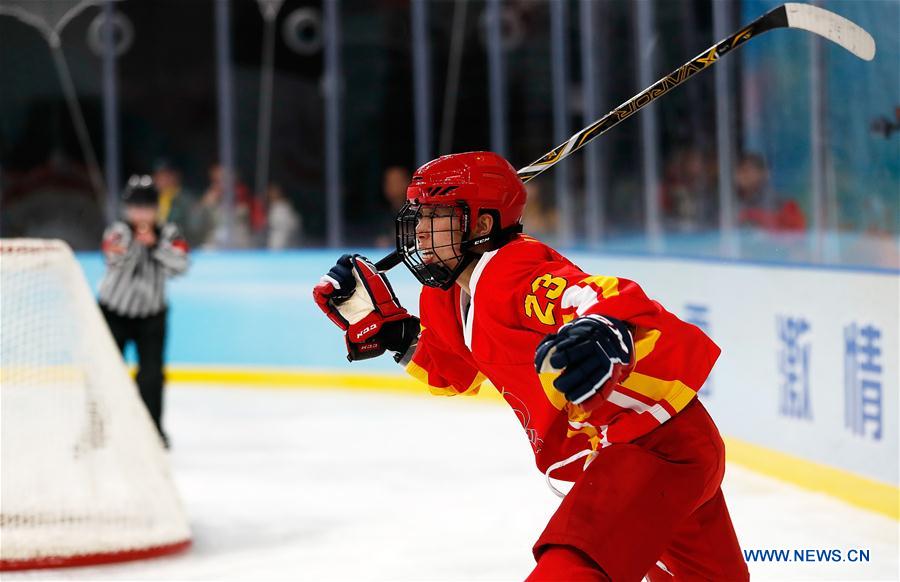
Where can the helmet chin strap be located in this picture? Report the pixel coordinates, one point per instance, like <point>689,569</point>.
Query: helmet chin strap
<point>494,239</point>
<point>467,259</point>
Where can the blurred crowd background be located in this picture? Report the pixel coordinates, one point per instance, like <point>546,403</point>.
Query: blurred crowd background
<point>295,123</point>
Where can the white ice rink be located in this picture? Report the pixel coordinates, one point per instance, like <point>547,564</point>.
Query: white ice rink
<point>331,485</point>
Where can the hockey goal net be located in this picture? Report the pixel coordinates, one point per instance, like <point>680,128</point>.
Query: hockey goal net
<point>84,478</point>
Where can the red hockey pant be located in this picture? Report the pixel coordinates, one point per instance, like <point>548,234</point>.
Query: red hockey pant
<point>651,507</point>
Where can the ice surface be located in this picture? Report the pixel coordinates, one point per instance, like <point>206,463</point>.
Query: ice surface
<point>331,485</point>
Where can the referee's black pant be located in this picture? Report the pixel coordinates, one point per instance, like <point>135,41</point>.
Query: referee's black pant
<point>149,337</point>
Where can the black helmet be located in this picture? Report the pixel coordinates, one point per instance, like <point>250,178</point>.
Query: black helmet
<point>140,191</point>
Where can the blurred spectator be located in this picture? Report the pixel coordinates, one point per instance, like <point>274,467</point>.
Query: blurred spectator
<point>758,204</point>
<point>688,197</point>
<point>285,225</point>
<point>394,182</point>
<point>539,218</point>
<point>179,205</point>
<point>249,214</point>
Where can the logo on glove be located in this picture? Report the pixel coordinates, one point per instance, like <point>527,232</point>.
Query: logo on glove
<point>365,331</point>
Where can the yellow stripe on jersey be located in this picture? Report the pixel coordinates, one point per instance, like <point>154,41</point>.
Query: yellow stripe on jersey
<point>556,398</point>
<point>644,341</point>
<point>476,384</point>
<point>657,389</point>
<point>589,431</point>
<point>609,286</point>
<point>421,374</point>
<point>675,392</point>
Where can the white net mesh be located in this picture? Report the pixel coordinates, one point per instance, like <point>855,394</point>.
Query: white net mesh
<point>83,475</point>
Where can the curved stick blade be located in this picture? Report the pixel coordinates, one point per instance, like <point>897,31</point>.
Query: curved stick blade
<point>835,28</point>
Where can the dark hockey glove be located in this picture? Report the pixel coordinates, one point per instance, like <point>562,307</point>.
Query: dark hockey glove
<point>593,354</point>
<point>369,340</point>
<point>334,289</point>
<point>359,299</point>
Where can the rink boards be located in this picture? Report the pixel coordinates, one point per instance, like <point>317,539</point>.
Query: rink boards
<point>806,387</point>
<point>808,366</point>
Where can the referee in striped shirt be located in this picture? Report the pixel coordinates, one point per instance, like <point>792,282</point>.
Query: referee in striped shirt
<point>140,256</point>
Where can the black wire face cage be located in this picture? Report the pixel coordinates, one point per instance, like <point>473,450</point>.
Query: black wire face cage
<point>431,239</point>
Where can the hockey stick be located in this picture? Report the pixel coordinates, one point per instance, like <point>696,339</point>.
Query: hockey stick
<point>791,15</point>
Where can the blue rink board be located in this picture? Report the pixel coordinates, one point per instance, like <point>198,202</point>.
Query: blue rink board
<point>255,308</point>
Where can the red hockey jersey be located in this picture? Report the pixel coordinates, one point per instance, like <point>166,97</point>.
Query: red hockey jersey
<point>520,293</point>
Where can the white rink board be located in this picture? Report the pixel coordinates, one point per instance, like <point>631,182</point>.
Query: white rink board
<point>743,305</point>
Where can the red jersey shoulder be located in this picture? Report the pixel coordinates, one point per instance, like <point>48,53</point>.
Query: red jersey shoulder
<point>515,262</point>
<point>520,266</point>
<point>527,249</point>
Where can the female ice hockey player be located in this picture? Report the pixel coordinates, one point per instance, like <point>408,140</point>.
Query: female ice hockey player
<point>603,380</point>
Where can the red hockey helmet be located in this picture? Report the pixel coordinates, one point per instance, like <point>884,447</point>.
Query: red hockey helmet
<point>461,187</point>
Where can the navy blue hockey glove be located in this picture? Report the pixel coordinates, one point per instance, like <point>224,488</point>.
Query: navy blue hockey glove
<point>359,299</point>
<point>593,354</point>
<point>335,288</point>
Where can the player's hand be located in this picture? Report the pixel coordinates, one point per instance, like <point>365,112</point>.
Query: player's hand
<point>335,288</point>
<point>374,335</point>
<point>593,354</point>
<point>359,299</point>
